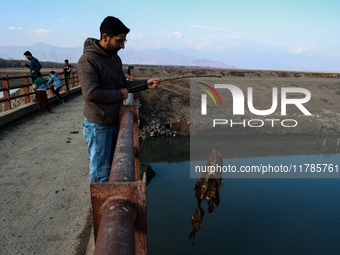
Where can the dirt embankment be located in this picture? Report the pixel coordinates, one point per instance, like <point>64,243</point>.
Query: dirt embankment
<point>168,107</point>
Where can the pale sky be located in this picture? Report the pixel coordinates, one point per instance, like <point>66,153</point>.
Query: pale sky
<point>256,34</point>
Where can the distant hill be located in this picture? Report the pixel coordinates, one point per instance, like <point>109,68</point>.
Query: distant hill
<point>46,52</point>
<point>42,51</point>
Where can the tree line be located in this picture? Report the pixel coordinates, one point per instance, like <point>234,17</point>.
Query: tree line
<point>12,63</point>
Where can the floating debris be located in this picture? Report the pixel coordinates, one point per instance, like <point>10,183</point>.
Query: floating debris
<point>196,222</point>
<point>207,189</point>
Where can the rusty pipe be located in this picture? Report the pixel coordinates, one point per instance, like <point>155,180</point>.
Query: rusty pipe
<point>116,234</point>
<point>122,168</point>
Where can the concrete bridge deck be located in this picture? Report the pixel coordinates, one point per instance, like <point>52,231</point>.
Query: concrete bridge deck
<point>45,195</point>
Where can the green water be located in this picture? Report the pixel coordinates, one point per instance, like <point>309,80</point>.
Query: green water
<point>255,216</point>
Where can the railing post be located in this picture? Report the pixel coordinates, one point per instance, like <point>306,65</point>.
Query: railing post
<point>132,74</point>
<point>26,88</point>
<point>72,80</point>
<point>6,92</point>
<point>77,80</point>
<point>60,76</point>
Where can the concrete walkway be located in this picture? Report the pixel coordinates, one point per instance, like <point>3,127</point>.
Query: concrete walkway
<point>45,196</point>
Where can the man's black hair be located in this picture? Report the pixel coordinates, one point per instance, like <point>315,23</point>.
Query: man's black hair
<point>112,27</point>
<point>52,72</point>
<point>27,53</point>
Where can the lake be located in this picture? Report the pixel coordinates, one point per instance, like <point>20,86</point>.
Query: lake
<point>255,215</point>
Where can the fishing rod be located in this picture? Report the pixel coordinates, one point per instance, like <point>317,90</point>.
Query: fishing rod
<point>135,88</point>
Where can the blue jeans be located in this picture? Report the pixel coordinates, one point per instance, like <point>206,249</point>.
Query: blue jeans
<point>101,141</point>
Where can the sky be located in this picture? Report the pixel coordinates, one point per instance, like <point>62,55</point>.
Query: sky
<point>252,34</point>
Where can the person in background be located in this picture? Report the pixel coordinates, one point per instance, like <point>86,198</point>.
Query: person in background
<point>57,85</point>
<point>67,74</point>
<point>40,85</point>
<point>104,87</point>
<point>34,66</point>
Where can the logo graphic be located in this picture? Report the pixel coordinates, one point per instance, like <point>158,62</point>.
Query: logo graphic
<point>239,99</point>
<point>280,99</point>
<point>204,97</point>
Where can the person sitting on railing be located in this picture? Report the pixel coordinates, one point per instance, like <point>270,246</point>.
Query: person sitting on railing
<point>104,87</point>
<point>40,85</point>
<point>57,84</point>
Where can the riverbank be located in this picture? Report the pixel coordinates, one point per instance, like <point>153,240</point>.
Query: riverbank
<point>170,103</point>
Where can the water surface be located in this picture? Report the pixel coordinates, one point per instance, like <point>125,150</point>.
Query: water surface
<point>255,216</point>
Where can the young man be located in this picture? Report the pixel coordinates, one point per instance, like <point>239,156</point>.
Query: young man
<point>104,87</point>
<point>34,65</point>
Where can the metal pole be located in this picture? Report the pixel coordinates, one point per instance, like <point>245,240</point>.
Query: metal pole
<point>122,169</point>
<point>116,234</point>
<point>6,92</point>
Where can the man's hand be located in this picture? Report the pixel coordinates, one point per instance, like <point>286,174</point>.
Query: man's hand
<point>154,82</point>
<point>22,64</point>
<point>125,93</point>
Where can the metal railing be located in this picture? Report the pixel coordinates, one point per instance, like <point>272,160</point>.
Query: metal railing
<point>27,86</point>
<point>119,206</point>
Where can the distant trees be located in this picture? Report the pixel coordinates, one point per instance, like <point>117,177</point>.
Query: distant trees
<point>17,63</point>
<point>9,63</point>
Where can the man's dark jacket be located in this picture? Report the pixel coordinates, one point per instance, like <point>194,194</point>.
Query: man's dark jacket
<point>101,76</point>
<point>34,66</point>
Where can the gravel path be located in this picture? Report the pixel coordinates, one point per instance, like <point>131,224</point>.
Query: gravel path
<point>45,196</point>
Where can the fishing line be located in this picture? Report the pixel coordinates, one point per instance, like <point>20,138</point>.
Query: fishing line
<point>135,88</point>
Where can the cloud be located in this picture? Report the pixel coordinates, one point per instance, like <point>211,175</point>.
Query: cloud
<point>300,49</point>
<point>39,31</point>
<point>83,35</point>
<point>162,39</point>
<point>136,36</point>
<point>334,54</point>
<point>219,41</point>
<point>177,34</point>
<point>207,27</point>
<point>15,28</point>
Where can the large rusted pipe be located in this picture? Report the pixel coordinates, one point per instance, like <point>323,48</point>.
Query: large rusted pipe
<point>116,234</point>
<point>122,169</point>
<point>129,100</point>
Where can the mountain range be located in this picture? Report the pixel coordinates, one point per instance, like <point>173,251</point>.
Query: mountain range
<point>160,56</point>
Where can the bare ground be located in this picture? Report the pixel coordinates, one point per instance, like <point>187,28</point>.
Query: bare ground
<point>170,103</point>
<point>45,198</point>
